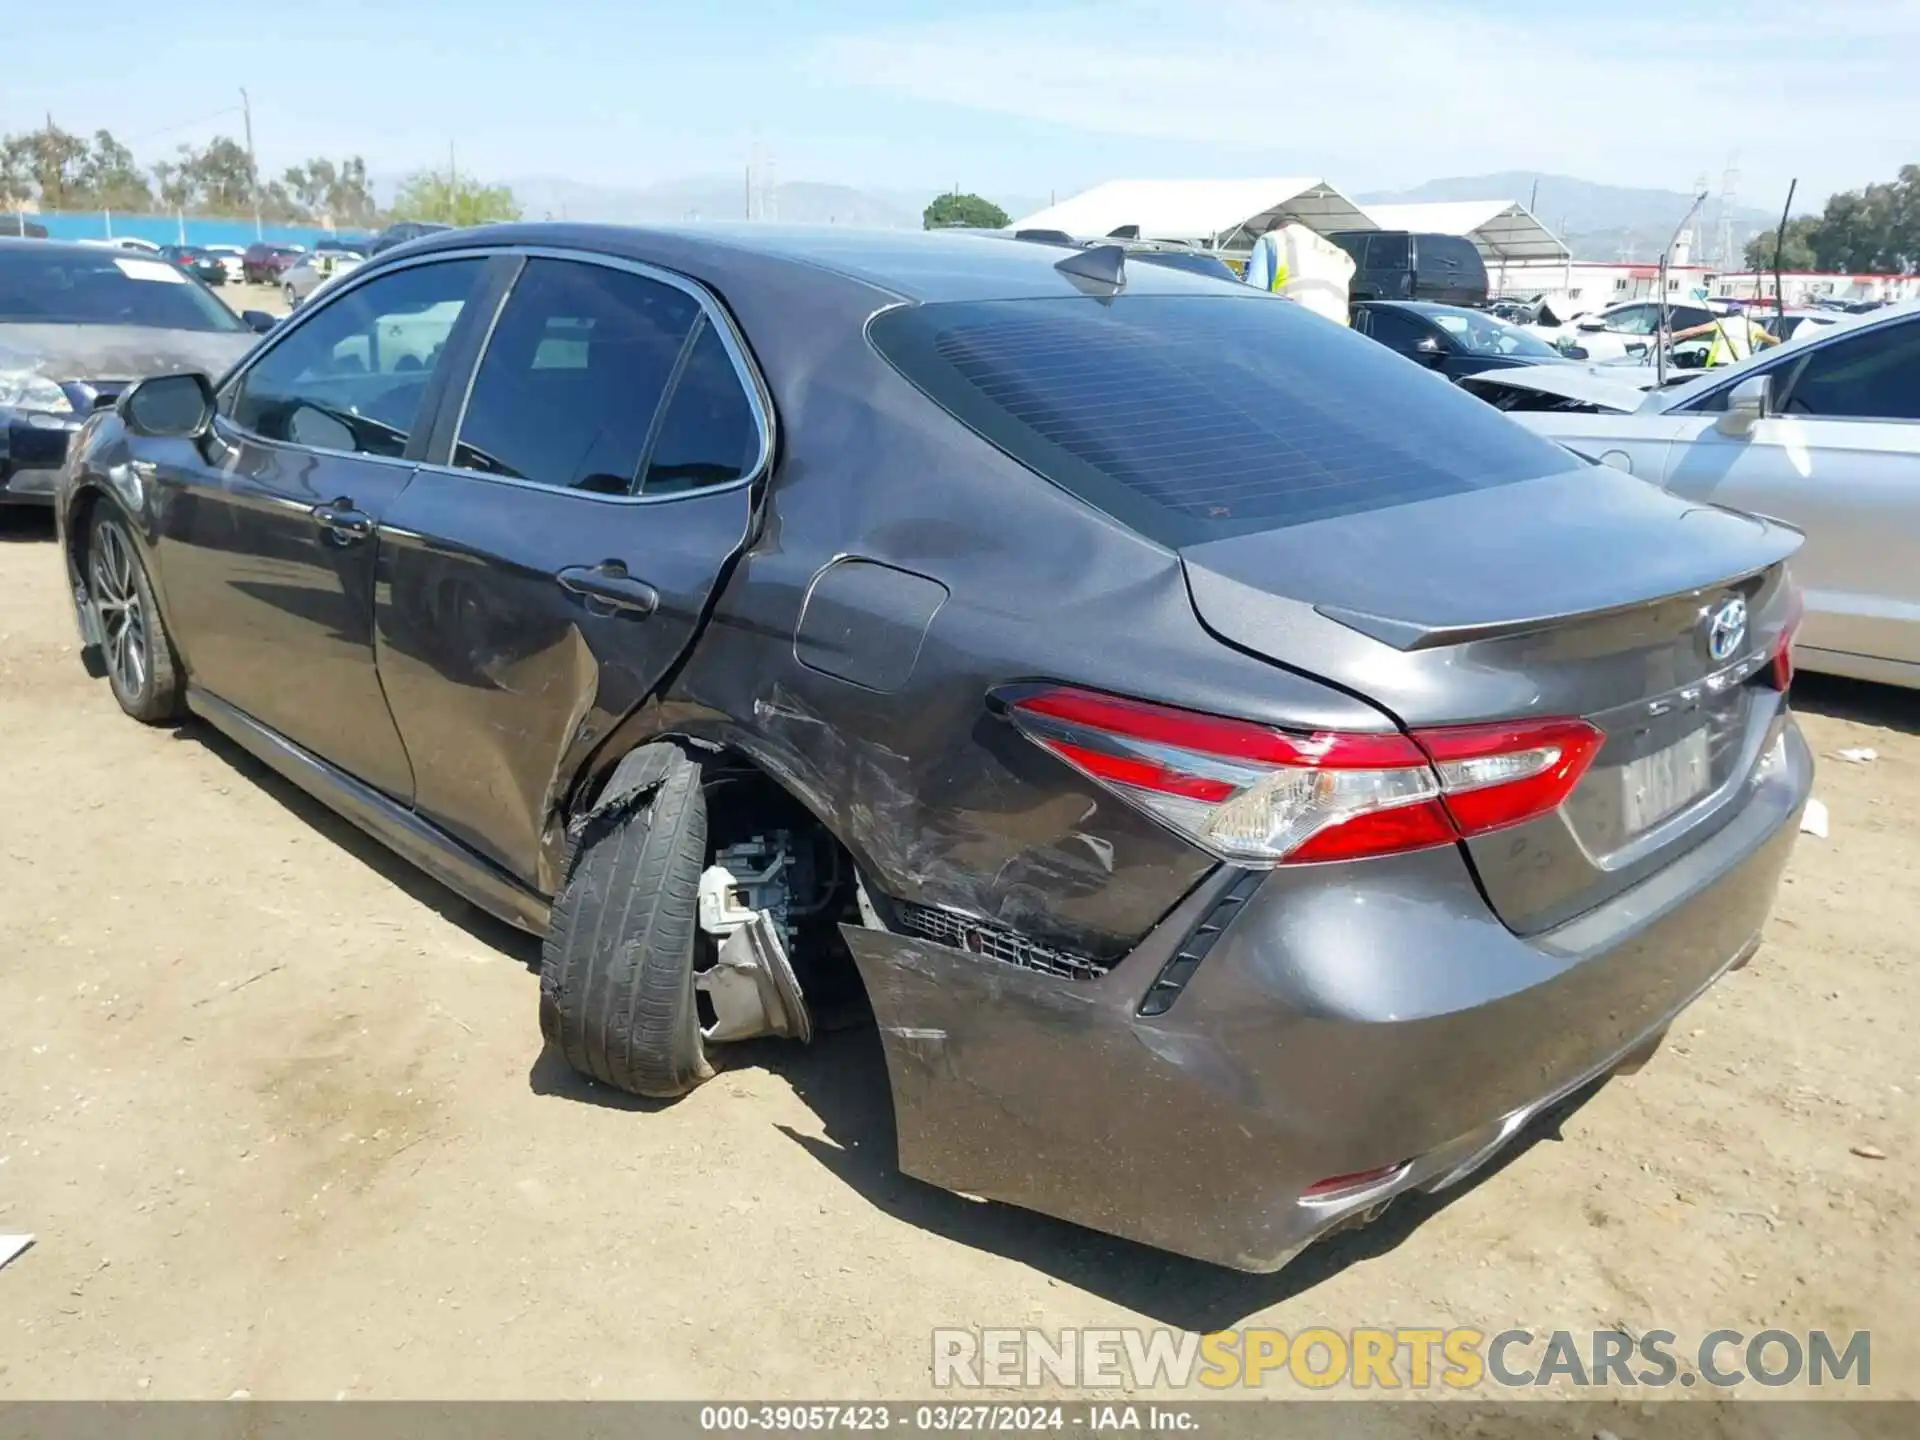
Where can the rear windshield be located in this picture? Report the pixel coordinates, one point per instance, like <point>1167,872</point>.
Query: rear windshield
<point>105,287</point>
<point>1192,418</point>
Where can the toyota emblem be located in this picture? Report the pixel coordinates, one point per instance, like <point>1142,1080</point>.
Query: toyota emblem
<point>1727,629</point>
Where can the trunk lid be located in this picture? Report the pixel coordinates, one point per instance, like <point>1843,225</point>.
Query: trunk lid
<point>1586,593</point>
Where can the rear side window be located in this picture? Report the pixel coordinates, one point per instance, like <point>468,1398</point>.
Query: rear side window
<point>707,435</point>
<point>1387,252</point>
<point>1451,255</point>
<point>1191,418</point>
<point>576,369</point>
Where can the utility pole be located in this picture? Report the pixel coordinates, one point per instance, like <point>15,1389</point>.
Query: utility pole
<point>253,166</point>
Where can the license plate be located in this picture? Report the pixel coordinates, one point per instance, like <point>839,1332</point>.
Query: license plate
<point>1656,785</point>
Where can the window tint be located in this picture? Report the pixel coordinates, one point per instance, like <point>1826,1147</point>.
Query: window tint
<point>353,376</point>
<point>1387,252</point>
<point>576,368</point>
<point>1685,317</point>
<point>708,435</point>
<point>1452,255</point>
<point>1395,329</point>
<point>1875,376</point>
<point>1190,418</point>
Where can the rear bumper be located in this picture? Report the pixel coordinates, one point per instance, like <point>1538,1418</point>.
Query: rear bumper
<point>1350,1017</point>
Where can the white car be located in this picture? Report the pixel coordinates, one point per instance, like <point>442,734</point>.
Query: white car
<point>1823,433</point>
<point>125,242</point>
<point>232,259</point>
<point>1621,330</point>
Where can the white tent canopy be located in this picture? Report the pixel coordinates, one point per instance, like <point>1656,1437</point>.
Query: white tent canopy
<point>1230,214</point>
<point>1499,229</point>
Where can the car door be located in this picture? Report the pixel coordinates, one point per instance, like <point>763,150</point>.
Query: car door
<point>1840,460</point>
<point>557,555</point>
<point>1402,333</point>
<point>267,547</point>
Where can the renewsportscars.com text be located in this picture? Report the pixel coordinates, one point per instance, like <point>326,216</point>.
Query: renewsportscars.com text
<point>1396,1359</point>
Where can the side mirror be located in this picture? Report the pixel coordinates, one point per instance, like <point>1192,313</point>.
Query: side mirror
<point>172,407</point>
<point>1748,403</point>
<point>1429,351</point>
<point>1592,322</point>
<point>258,321</point>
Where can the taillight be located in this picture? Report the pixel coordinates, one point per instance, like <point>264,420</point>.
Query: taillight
<point>1783,644</point>
<point>1262,796</point>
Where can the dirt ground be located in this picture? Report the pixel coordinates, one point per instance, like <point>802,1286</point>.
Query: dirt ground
<point>276,1109</point>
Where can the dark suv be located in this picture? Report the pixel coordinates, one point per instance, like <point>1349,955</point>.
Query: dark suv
<point>1246,777</point>
<point>1405,265</point>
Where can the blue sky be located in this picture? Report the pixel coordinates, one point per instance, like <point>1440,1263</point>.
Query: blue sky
<point>1001,97</point>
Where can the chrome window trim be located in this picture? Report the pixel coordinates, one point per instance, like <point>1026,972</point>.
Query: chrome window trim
<point>354,281</point>
<point>759,398</point>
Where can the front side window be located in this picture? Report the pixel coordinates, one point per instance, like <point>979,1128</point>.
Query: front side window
<point>1395,329</point>
<point>354,375</point>
<point>579,362</point>
<point>1875,376</point>
<point>1634,320</point>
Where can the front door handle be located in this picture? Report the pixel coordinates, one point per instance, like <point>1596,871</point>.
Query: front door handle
<point>342,522</point>
<point>610,585</point>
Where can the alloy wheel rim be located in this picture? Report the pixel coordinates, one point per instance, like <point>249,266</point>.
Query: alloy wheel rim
<point>122,618</point>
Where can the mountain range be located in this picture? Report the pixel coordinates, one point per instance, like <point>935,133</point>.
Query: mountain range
<point>1599,222</point>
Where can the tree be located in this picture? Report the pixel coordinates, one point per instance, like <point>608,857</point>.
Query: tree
<point>453,200</point>
<point>1796,249</point>
<point>46,166</point>
<point>967,210</point>
<point>110,178</point>
<point>218,179</point>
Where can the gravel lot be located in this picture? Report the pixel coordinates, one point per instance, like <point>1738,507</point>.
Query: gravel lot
<point>275,1106</point>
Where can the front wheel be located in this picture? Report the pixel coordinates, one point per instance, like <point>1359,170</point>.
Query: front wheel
<point>293,300</point>
<point>141,665</point>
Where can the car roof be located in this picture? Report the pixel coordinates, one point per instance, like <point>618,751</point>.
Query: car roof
<point>927,265</point>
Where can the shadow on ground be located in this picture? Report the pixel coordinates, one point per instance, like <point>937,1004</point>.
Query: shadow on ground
<point>25,524</point>
<point>1888,706</point>
<point>363,847</point>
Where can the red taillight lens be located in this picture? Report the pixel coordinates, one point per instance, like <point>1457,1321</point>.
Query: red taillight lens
<point>1262,796</point>
<point>1783,646</point>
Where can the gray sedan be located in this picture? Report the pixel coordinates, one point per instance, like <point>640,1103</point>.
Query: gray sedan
<point>1824,434</point>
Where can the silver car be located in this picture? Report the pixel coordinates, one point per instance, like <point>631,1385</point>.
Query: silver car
<point>312,270</point>
<point>1824,434</point>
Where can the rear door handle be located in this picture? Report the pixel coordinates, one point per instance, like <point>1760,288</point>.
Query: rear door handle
<point>344,523</point>
<point>610,585</point>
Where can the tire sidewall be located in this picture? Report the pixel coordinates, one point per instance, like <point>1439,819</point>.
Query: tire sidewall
<point>148,700</point>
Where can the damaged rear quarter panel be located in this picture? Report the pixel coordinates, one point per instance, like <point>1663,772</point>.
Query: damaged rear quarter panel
<point>939,802</point>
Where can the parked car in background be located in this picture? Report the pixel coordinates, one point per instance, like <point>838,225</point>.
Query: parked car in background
<point>402,231</point>
<point>1451,339</point>
<point>124,242</point>
<point>1228,726</point>
<point>1616,387</point>
<point>232,258</point>
<point>1796,324</point>
<point>310,271</point>
<point>78,324</point>
<point>1622,330</point>
<point>205,268</point>
<point>264,262</point>
<point>1402,265</point>
<point>1824,434</point>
